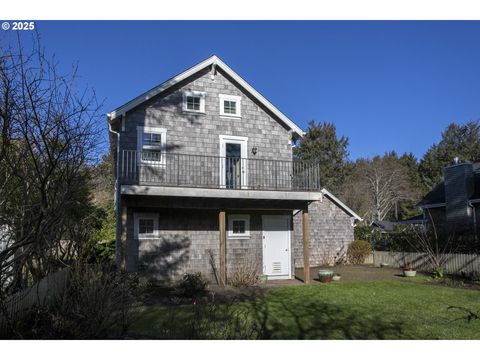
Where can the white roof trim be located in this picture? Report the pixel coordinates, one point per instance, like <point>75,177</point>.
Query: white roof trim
<point>211,60</point>
<point>340,203</point>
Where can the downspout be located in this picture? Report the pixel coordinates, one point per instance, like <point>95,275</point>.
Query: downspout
<point>352,219</point>
<point>116,196</point>
<point>117,157</point>
<point>474,219</point>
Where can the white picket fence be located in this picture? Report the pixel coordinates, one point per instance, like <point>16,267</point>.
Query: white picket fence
<point>454,263</point>
<point>39,294</point>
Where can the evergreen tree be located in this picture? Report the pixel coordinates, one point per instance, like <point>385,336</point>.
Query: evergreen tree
<point>321,144</point>
<point>406,208</point>
<point>462,141</point>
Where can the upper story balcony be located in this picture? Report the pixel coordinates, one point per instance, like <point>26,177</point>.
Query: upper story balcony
<point>155,168</point>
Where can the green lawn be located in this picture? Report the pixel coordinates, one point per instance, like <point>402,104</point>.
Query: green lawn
<point>355,310</point>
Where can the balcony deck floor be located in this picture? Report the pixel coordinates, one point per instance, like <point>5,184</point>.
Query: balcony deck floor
<point>219,193</point>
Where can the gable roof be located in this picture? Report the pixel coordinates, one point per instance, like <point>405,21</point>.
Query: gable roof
<point>436,197</point>
<point>211,61</point>
<point>340,204</point>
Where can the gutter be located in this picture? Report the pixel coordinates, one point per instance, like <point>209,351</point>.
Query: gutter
<point>430,206</point>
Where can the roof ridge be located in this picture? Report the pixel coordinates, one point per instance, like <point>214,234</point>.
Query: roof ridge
<point>214,59</point>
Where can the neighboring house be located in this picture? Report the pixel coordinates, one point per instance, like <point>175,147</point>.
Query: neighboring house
<point>206,182</point>
<point>383,226</point>
<point>387,226</point>
<point>454,205</point>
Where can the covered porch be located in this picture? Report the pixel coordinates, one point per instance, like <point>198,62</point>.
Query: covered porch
<point>210,236</point>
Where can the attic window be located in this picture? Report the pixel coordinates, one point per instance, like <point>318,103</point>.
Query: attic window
<point>194,101</point>
<point>230,105</point>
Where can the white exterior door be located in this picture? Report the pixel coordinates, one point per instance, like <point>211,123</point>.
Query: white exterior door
<point>233,162</point>
<point>276,246</point>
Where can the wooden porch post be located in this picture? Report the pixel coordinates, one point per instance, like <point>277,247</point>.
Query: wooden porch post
<point>222,255</point>
<point>123,235</point>
<point>306,249</point>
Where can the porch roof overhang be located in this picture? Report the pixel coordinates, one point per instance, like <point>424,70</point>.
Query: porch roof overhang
<point>187,192</point>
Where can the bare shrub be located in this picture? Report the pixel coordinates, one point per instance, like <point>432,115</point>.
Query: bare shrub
<point>326,257</point>
<point>437,246</point>
<point>245,274</point>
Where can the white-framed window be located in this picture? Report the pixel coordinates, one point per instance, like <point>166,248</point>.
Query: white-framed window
<point>146,225</point>
<point>230,105</point>
<point>194,101</point>
<point>151,143</point>
<point>238,225</point>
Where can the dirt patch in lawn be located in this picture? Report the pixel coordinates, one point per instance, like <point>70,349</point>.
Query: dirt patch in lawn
<point>357,273</point>
<point>353,273</point>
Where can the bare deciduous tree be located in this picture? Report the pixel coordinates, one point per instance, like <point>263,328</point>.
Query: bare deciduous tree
<point>378,184</point>
<point>49,136</point>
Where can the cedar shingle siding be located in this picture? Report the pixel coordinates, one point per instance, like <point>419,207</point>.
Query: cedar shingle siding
<point>330,233</point>
<point>188,237</point>
<point>194,133</point>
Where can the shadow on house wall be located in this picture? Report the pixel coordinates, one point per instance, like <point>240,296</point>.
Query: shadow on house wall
<point>164,257</point>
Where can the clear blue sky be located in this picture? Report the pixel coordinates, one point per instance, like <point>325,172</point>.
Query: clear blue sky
<point>385,85</point>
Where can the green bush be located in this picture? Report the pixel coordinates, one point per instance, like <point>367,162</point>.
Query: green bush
<point>193,285</point>
<point>363,232</point>
<point>438,273</point>
<point>358,250</point>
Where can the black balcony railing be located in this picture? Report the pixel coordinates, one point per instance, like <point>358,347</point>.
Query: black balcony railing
<point>182,170</point>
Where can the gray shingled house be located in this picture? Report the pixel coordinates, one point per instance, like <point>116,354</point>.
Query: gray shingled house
<point>454,204</point>
<point>206,182</point>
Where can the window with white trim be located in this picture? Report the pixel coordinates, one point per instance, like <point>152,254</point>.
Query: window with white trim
<point>146,225</point>
<point>194,101</point>
<point>151,144</point>
<point>239,225</point>
<point>230,105</point>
